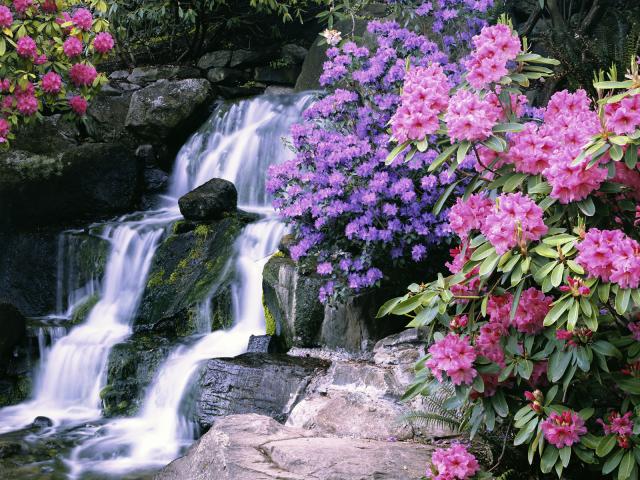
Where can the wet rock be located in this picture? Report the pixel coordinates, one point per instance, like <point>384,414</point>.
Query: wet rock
<point>264,344</point>
<point>52,135</point>
<point>147,75</point>
<point>9,448</point>
<point>107,115</point>
<point>294,54</point>
<point>219,58</point>
<point>253,383</point>
<point>243,446</point>
<point>155,180</point>
<point>210,201</point>
<point>281,76</point>
<point>226,76</point>
<point>119,75</point>
<point>165,107</point>
<point>278,90</point>
<point>42,422</point>
<point>248,58</point>
<point>13,329</point>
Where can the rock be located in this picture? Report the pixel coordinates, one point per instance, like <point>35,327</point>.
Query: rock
<point>119,75</point>
<point>248,58</point>
<point>109,90</point>
<point>13,329</point>
<point>210,201</point>
<point>278,90</point>
<point>129,87</point>
<point>253,383</point>
<point>52,135</point>
<point>91,181</point>
<point>219,58</point>
<point>42,422</point>
<point>9,448</point>
<point>226,75</point>
<point>257,447</point>
<point>185,268</point>
<point>166,107</point>
<point>147,154</point>
<point>264,344</point>
<point>155,180</point>
<point>240,91</point>
<point>291,299</point>
<point>293,53</point>
<point>147,75</point>
<point>107,115</point>
<point>282,76</point>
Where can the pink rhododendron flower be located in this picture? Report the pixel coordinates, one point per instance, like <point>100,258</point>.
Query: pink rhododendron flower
<point>21,6</point>
<point>423,99</point>
<point>488,342</point>
<point>539,375</point>
<point>454,463</point>
<point>453,356</point>
<point>103,43</point>
<point>26,47</point>
<point>49,6</point>
<point>495,46</point>
<point>611,256</point>
<point>515,220</point>
<point>82,75</point>
<point>469,215</point>
<point>78,104</point>
<point>64,18</point>
<point>83,19</point>
<point>571,183</point>
<point>5,128</point>
<point>634,328</point>
<point>623,117</point>
<point>529,151</point>
<point>72,47</point>
<point>619,425</point>
<point>27,104</point>
<point>6,17</point>
<point>51,83</point>
<point>629,178</point>
<point>471,117</point>
<point>532,308</point>
<point>563,429</point>
<point>8,103</point>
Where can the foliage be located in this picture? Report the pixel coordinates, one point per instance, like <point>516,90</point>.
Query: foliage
<point>353,216</point>
<point>46,52</point>
<point>536,326</point>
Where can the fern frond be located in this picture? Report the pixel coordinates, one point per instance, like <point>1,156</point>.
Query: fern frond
<point>430,419</point>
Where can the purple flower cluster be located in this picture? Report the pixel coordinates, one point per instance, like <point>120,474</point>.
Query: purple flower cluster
<point>352,215</point>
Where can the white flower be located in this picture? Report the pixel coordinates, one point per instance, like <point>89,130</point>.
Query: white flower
<point>333,37</point>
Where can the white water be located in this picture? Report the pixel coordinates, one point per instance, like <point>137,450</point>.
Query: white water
<point>237,144</point>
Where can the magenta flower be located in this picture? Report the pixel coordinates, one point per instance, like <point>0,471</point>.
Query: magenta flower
<point>619,425</point>
<point>532,309</point>
<point>27,104</point>
<point>82,74</point>
<point>563,429</point>
<point>453,356</point>
<point>21,6</point>
<point>454,463</point>
<point>49,6</point>
<point>471,117</point>
<point>623,117</point>
<point>5,128</point>
<point>51,83</point>
<point>6,17</point>
<point>26,47</point>
<point>103,43</point>
<point>469,215</point>
<point>72,47</point>
<point>78,104</point>
<point>83,19</point>
<point>634,328</point>
<point>494,48</point>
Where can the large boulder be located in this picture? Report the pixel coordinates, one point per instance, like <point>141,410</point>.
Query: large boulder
<point>217,59</point>
<point>257,447</point>
<point>210,201</point>
<point>253,383</point>
<point>146,75</point>
<point>13,329</point>
<point>17,356</point>
<point>89,181</point>
<point>166,107</point>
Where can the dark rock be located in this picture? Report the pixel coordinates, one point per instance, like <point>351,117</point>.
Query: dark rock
<point>185,269</point>
<point>119,75</point>
<point>165,107</point>
<point>129,87</point>
<point>230,92</point>
<point>147,154</point>
<point>278,90</point>
<point>155,180</point>
<point>147,75</point>
<point>220,58</point>
<point>226,75</point>
<point>131,369</point>
<point>107,115</point>
<point>109,90</point>
<point>53,134</point>
<point>92,180</point>
<point>282,76</point>
<point>9,448</point>
<point>248,58</point>
<point>253,383</point>
<point>42,422</point>
<point>264,344</point>
<point>13,329</point>
<point>294,54</point>
<point>210,201</point>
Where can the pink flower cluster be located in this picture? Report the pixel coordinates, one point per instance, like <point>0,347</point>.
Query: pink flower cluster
<point>495,46</point>
<point>619,425</point>
<point>424,97</point>
<point>78,104</point>
<point>103,43</point>
<point>634,328</point>
<point>454,463</point>
<point>72,47</point>
<point>471,117</point>
<point>532,308</point>
<point>529,151</point>
<point>82,19</point>
<point>51,83</point>
<point>623,117</point>
<point>5,128</point>
<point>453,356</point>
<point>6,17</point>
<point>611,256</point>
<point>21,6</point>
<point>26,47</point>
<point>469,215</point>
<point>563,429</point>
<point>82,75</point>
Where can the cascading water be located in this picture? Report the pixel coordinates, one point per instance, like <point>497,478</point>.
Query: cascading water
<point>238,143</point>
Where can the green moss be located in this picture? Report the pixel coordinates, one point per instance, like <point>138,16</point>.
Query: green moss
<point>176,226</point>
<point>278,254</point>
<point>156,279</point>
<point>105,391</point>
<point>271,322</point>
<point>203,230</point>
<point>82,312</point>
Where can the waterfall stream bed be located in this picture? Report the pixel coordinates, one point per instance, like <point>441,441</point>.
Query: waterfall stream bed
<point>237,143</point>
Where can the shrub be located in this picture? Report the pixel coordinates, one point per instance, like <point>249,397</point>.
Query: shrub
<point>353,216</point>
<point>46,52</point>
<point>537,325</point>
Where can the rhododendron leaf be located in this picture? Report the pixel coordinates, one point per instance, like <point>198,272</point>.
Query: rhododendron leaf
<point>612,85</point>
<point>565,456</point>
<point>526,432</point>
<point>556,275</point>
<point>477,241</point>
<point>616,152</point>
<point>508,127</point>
<point>629,384</point>
<point>500,404</point>
<point>524,411</point>
<point>525,369</point>
<point>395,152</point>
<point>631,156</point>
<point>514,182</point>
<point>575,267</point>
<point>533,68</point>
<point>532,447</point>
<point>546,251</point>
<point>612,462</point>
<point>622,300</point>
<point>604,290</point>
<point>544,271</point>
<point>478,384</point>
<point>541,188</point>
<point>620,140</point>
<point>528,57</point>
<point>556,312</point>
<point>444,197</point>
<point>587,207</point>
<point>635,296</point>
<point>3,46</point>
<point>440,159</point>
<point>424,318</point>
<point>606,445</point>
<point>489,265</point>
<point>586,307</point>
<point>560,239</point>
<point>516,275</point>
<point>549,458</point>
<point>496,144</point>
<point>607,349</point>
<point>547,202</point>
<point>388,306</point>
<point>582,359</point>
<point>463,149</point>
<point>506,373</point>
<point>408,305</point>
<point>572,317</point>
<point>483,251</point>
<point>558,364</point>
<point>626,466</point>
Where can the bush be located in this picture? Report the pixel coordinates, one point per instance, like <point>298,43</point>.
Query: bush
<point>46,52</point>
<point>537,325</point>
<point>353,216</point>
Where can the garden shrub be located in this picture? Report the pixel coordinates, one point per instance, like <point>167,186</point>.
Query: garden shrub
<point>354,217</point>
<point>536,327</point>
<point>47,52</point>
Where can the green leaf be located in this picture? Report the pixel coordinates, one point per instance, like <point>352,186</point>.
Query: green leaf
<point>622,300</point>
<point>425,317</point>
<point>549,458</point>
<point>445,196</point>
<point>500,404</point>
<point>544,271</point>
<point>606,445</point>
<point>631,156</point>
<point>541,188</point>
<point>489,264</point>
<point>629,384</point>
<point>408,305</point>
<point>626,466</point>
<point>525,433</point>
<point>572,318</point>
<point>587,207</point>
<point>482,252</point>
<point>508,127</point>
<point>612,85</point>
<point>560,239</point>
<point>558,364</point>
<point>612,462</point>
<point>516,301</point>
<point>478,384</point>
<point>389,305</point>
<point>395,152</point>
<point>440,159</point>
<point>565,456</point>
<point>556,275</point>
<point>604,291</point>
<point>496,144</point>
<point>607,349</point>
<point>462,152</point>
<point>514,182</point>
<point>525,369</point>
<point>616,152</point>
<point>576,268</point>
<point>556,312</point>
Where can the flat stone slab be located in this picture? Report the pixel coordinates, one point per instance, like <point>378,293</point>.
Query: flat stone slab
<point>257,447</point>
